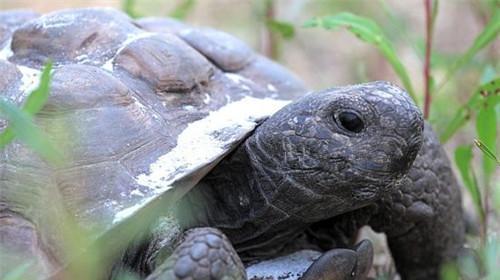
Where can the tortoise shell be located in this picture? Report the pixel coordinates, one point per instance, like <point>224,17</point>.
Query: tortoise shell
<point>135,106</point>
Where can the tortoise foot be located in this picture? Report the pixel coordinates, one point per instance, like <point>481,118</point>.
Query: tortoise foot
<point>204,253</point>
<point>340,264</point>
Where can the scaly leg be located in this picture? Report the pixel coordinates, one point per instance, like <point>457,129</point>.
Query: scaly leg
<point>203,253</point>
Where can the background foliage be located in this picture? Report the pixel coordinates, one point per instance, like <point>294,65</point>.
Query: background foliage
<point>445,53</point>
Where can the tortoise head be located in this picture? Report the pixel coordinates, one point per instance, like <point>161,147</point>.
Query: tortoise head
<point>337,150</point>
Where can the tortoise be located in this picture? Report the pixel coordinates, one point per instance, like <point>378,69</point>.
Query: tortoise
<point>221,155</point>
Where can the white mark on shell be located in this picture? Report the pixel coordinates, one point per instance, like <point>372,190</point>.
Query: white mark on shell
<point>270,87</point>
<point>127,212</point>
<point>202,142</point>
<point>6,52</point>
<point>61,20</point>
<point>237,78</point>
<point>30,79</point>
<point>206,98</point>
<point>137,192</point>
<point>199,142</point>
<point>108,65</point>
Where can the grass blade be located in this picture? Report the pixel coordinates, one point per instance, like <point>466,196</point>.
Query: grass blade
<point>486,150</point>
<point>37,98</point>
<point>22,126</point>
<point>463,158</point>
<point>368,31</point>
<point>21,123</point>
<point>34,102</point>
<point>489,92</point>
<point>488,34</point>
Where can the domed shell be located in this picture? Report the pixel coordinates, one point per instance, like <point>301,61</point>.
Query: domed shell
<point>141,110</point>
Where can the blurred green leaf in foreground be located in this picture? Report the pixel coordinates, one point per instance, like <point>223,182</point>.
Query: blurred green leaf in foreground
<point>20,120</point>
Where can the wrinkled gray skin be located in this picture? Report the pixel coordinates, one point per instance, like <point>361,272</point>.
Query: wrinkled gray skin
<point>302,181</point>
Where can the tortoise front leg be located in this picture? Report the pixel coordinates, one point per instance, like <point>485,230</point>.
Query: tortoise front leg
<point>423,219</point>
<point>202,253</point>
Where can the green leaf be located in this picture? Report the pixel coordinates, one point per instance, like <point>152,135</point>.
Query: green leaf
<point>128,7</point>
<point>488,34</point>
<point>486,123</point>
<point>489,92</point>
<point>285,29</point>
<point>34,102</point>
<point>183,9</point>
<point>18,272</point>
<point>487,151</point>
<point>450,271</point>
<point>20,122</point>
<point>463,158</point>
<point>25,130</point>
<point>37,98</point>
<point>368,31</point>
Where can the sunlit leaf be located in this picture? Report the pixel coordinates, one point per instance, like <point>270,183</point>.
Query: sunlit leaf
<point>463,158</point>
<point>368,31</point>
<point>489,33</point>
<point>487,92</point>
<point>183,9</point>
<point>285,29</point>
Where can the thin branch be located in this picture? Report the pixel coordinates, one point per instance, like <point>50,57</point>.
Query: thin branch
<point>268,39</point>
<point>427,63</point>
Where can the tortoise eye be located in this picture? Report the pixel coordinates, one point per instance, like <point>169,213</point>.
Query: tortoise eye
<point>350,121</point>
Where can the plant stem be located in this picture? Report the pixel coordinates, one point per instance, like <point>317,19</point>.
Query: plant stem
<point>486,210</point>
<point>427,63</point>
<point>268,39</point>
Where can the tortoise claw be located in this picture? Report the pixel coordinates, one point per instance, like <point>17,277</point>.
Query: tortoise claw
<point>364,249</point>
<point>342,264</point>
